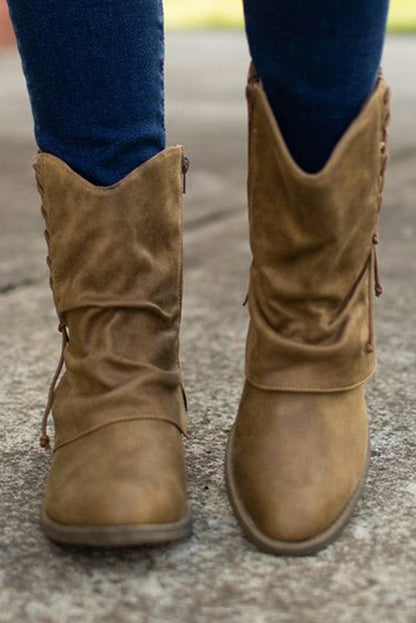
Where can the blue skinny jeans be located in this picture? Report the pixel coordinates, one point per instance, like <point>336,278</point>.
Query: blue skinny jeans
<point>94,71</point>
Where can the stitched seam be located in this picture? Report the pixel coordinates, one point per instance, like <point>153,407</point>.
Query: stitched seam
<point>310,390</point>
<point>117,421</point>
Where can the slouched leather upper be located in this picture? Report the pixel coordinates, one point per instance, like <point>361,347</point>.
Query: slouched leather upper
<point>115,256</point>
<point>313,242</point>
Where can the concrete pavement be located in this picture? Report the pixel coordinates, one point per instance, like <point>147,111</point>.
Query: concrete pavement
<point>369,575</point>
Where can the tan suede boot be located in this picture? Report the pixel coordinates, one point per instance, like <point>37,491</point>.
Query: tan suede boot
<point>115,257</point>
<point>298,453</point>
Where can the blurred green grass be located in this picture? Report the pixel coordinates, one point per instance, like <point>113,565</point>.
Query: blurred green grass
<point>203,13</point>
<point>229,14</point>
<point>403,16</point>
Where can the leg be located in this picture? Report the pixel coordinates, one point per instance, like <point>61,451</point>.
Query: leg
<point>95,79</point>
<point>94,71</point>
<point>298,453</point>
<point>318,62</point>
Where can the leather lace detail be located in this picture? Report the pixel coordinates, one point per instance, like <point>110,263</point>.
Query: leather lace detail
<point>378,285</point>
<point>44,437</point>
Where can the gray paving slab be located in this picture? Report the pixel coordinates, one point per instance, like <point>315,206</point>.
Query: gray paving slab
<point>369,575</point>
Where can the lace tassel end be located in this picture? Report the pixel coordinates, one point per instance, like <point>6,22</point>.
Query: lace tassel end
<point>44,438</point>
<point>45,441</point>
<point>378,286</point>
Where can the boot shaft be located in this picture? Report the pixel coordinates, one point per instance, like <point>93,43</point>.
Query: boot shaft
<point>312,239</point>
<point>115,257</point>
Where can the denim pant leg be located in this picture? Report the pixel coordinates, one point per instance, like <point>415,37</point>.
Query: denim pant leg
<point>94,71</point>
<point>318,61</point>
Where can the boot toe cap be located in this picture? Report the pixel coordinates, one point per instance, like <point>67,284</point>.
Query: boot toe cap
<point>296,463</point>
<point>125,474</point>
<point>116,503</point>
<point>301,515</point>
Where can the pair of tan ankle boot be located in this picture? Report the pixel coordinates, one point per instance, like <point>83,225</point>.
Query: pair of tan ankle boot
<point>298,452</point>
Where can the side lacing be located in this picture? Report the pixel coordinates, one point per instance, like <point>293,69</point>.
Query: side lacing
<point>44,437</point>
<point>373,260</point>
<point>62,328</point>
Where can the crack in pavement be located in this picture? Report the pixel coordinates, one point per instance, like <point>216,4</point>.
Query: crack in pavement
<point>195,225</point>
<point>22,283</point>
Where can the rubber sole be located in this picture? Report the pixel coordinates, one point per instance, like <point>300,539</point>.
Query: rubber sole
<point>285,548</point>
<point>116,536</point>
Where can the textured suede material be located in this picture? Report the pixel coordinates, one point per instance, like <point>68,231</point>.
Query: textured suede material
<point>311,239</point>
<point>115,256</point>
<point>116,274</point>
<point>299,449</point>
